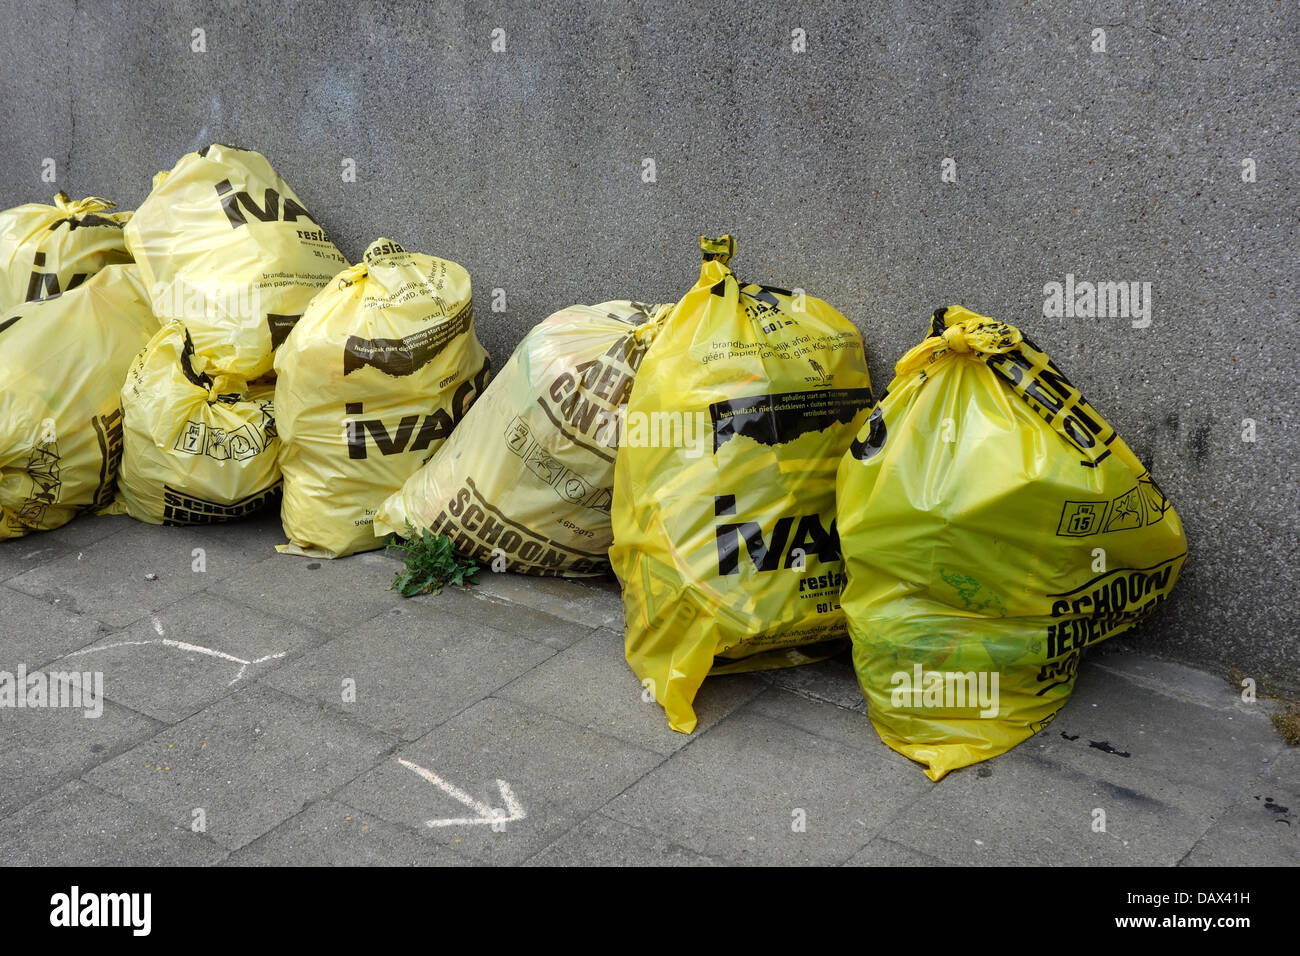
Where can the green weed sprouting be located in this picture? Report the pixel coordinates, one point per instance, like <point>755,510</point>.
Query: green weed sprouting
<point>430,563</point>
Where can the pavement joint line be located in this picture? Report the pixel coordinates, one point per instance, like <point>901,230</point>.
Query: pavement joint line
<point>504,604</point>
<point>812,733</point>
<point>287,698</point>
<point>110,753</point>
<point>551,713</point>
<point>401,740</point>
<point>694,738</point>
<point>1215,817</point>
<point>44,665</point>
<point>582,637</point>
<point>452,612</point>
<point>943,861</point>
<point>806,695</point>
<point>151,812</point>
<point>903,807</point>
<point>114,628</point>
<point>226,596</point>
<point>390,752</point>
<point>528,861</point>
<point>177,725</point>
<point>567,720</point>
<point>1219,814</point>
<point>1162,688</point>
<point>330,798</point>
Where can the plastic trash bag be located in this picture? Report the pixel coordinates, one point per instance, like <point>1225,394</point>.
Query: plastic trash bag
<point>45,250</point>
<point>371,382</point>
<point>62,362</point>
<point>724,488</point>
<point>526,481</point>
<point>993,526</point>
<point>228,248</point>
<point>199,446</point>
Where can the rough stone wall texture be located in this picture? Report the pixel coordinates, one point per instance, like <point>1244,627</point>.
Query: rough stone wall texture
<point>526,166</point>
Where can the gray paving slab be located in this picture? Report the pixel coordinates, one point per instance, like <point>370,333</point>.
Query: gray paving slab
<point>189,654</point>
<point>259,532</point>
<point>558,772</point>
<point>883,851</point>
<point>135,571</point>
<point>475,605</point>
<point>603,841</point>
<point>42,749</point>
<point>759,789</point>
<point>591,603</point>
<point>1168,677</point>
<point>847,727</point>
<point>411,668</point>
<point>1210,743</point>
<point>1027,808</point>
<point>833,681</point>
<point>34,632</point>
<point>1262,828</point>
<point>329,596</point>
<point>33,550</point>
<point>329,833</point>
<point>250,761</point>
<point>80,825</point>
<point>591,684</point>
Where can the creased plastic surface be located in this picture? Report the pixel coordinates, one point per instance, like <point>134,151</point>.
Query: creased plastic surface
<point>370,382</point>
<point>526,480</point>
<point>225,245</point>
<point>725,540</point>
<point>993,525</point>
<point>62,362</point>
<point>199,447</point>
<point>45,250</point>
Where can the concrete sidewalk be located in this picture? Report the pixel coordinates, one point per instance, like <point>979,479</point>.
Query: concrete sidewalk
<point>228,735</point>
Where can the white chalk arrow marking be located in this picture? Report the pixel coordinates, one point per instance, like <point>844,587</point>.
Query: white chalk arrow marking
<point>489,815</point>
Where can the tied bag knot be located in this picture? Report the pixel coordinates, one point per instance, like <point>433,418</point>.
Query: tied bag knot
<point>976,335</point>
<point>76,207</point>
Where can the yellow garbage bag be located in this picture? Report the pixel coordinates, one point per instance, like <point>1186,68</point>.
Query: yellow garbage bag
<point>724,487</point>
<point>199,446</point>
<point>228,248</point>
<point>45,250</point>
<point>994,526</point>
<point>525,482</point>
<point>62,361</point>
<point>370,383</point>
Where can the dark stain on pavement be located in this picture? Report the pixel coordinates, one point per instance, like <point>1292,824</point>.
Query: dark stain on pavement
<point>1200,442</point>
<point>1271,805</point>
<point>1105,747</point>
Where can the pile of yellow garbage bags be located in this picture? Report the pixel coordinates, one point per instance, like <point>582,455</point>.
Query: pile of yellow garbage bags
<point>968,533</point>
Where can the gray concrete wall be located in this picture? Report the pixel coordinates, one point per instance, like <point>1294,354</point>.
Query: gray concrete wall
<point>526,167</point>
